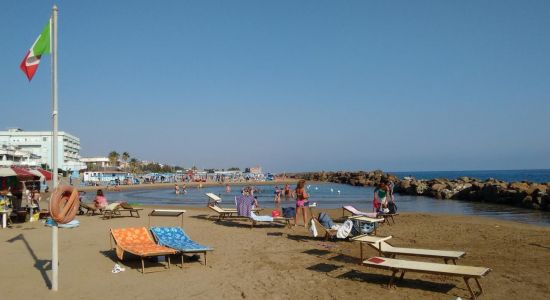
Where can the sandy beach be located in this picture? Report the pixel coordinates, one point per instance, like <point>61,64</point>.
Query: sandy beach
<point>273,262</point>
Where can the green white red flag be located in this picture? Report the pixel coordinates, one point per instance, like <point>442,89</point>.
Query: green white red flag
<point>41,46</point>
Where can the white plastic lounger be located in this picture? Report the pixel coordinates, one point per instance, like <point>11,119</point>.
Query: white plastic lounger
<point>213,198</point>
<point>223,212</point>
<point>385,249</point>
<point>399,265</point>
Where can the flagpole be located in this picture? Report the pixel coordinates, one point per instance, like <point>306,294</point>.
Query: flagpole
<point>55,260</point>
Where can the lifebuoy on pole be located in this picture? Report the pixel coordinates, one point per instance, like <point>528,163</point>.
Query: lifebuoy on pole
<point>64,204</point>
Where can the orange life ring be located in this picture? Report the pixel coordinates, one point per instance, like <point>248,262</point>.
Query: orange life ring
<point>64,204</point>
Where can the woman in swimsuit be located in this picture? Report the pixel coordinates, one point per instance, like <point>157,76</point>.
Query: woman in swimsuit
<point>301,201</point>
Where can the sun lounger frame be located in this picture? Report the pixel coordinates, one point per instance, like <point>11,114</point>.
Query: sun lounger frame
<point>165,254</point>
<point>402,269</point>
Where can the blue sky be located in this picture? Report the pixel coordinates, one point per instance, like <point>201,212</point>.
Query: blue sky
<point>291,85</point>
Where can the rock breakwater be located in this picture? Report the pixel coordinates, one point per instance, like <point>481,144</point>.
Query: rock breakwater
<point>523,194</point>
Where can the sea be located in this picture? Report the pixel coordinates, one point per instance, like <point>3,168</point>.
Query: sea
<point>332,195</point>
<point>536,175</point>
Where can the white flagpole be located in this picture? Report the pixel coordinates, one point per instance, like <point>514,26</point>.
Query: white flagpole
<point>53,35</point>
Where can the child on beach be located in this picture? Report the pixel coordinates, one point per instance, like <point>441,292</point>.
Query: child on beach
<point>277,195</point>
<point>227,188</point>
<point>287,192</point>
<point>177,189</point>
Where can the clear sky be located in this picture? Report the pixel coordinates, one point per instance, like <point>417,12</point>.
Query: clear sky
<point>291,85</point>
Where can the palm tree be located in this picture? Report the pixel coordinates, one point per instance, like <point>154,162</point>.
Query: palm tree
<point>113,158</point>
<point>134,164</point>
<point>125,157</point>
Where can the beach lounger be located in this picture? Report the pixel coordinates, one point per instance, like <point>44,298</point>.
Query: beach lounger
<point>387,250</point>
<point>213,199</point>
<point>329,233</point>
<point>269,219</point>
<point>399,265</point>
<point>175,238</point>
<point>125,206</point>
<point>111,210</point>
<point>223,212</point>
<point>137,241</point>
<point>356,212</point>
<point>228,212</point>
<point>89,209</point>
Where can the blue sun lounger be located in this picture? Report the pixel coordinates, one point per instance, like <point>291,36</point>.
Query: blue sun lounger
<point>175,238</point>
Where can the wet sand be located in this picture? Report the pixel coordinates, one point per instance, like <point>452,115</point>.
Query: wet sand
<point>274,262</point>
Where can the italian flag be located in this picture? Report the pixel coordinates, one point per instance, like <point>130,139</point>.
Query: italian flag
<point>41,46</point>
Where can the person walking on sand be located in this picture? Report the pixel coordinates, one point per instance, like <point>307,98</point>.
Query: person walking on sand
<point>301,202</point>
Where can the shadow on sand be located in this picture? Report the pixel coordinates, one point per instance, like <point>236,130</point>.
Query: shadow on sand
<point>42,265</point>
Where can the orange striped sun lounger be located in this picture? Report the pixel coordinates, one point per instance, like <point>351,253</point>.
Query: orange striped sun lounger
<point>137,241</point>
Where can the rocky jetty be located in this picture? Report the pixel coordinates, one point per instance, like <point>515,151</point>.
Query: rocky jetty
<point>523,194</point>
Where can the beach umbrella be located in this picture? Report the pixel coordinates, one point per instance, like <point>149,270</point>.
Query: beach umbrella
<point>24,174</point>
<point>46,174</point>
<point>7,172</point>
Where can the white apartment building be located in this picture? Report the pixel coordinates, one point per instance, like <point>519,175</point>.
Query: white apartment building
<point>39,143</point>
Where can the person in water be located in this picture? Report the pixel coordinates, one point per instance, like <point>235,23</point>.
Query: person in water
<point>287,191</point>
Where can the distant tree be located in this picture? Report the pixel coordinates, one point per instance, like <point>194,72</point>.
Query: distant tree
<point>177,168</point>
<point>234,169</point>
<point>134,165</point>
<point>113,158</point>
<point>125,156</point>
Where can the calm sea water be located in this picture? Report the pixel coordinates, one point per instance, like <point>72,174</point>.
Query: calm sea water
<point>541,175</point>
<point>331,195</point>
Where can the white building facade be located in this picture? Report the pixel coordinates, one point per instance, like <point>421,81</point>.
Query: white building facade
<point>40,144</point>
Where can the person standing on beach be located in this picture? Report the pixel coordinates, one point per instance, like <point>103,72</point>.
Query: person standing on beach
<point>381,194</point>
<point>301,202</point>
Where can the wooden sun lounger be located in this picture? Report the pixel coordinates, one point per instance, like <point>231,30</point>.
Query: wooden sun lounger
<point>111,210</point>
<point>124,206</point>
<point>385,249</point>
<point>399,265</point>
<point>90,209</point>
<point>228,212</point>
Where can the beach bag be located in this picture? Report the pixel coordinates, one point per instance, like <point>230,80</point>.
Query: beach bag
<point>344,230</point>
<point>313,228</point>
<point>392,207</point>
<point>289,212</point>
<point>360,227</point>
<point>325,220</point>
<point>275,214</point>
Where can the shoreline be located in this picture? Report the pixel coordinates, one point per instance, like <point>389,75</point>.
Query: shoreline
<point>188,184</point>
<point>528,195</point>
